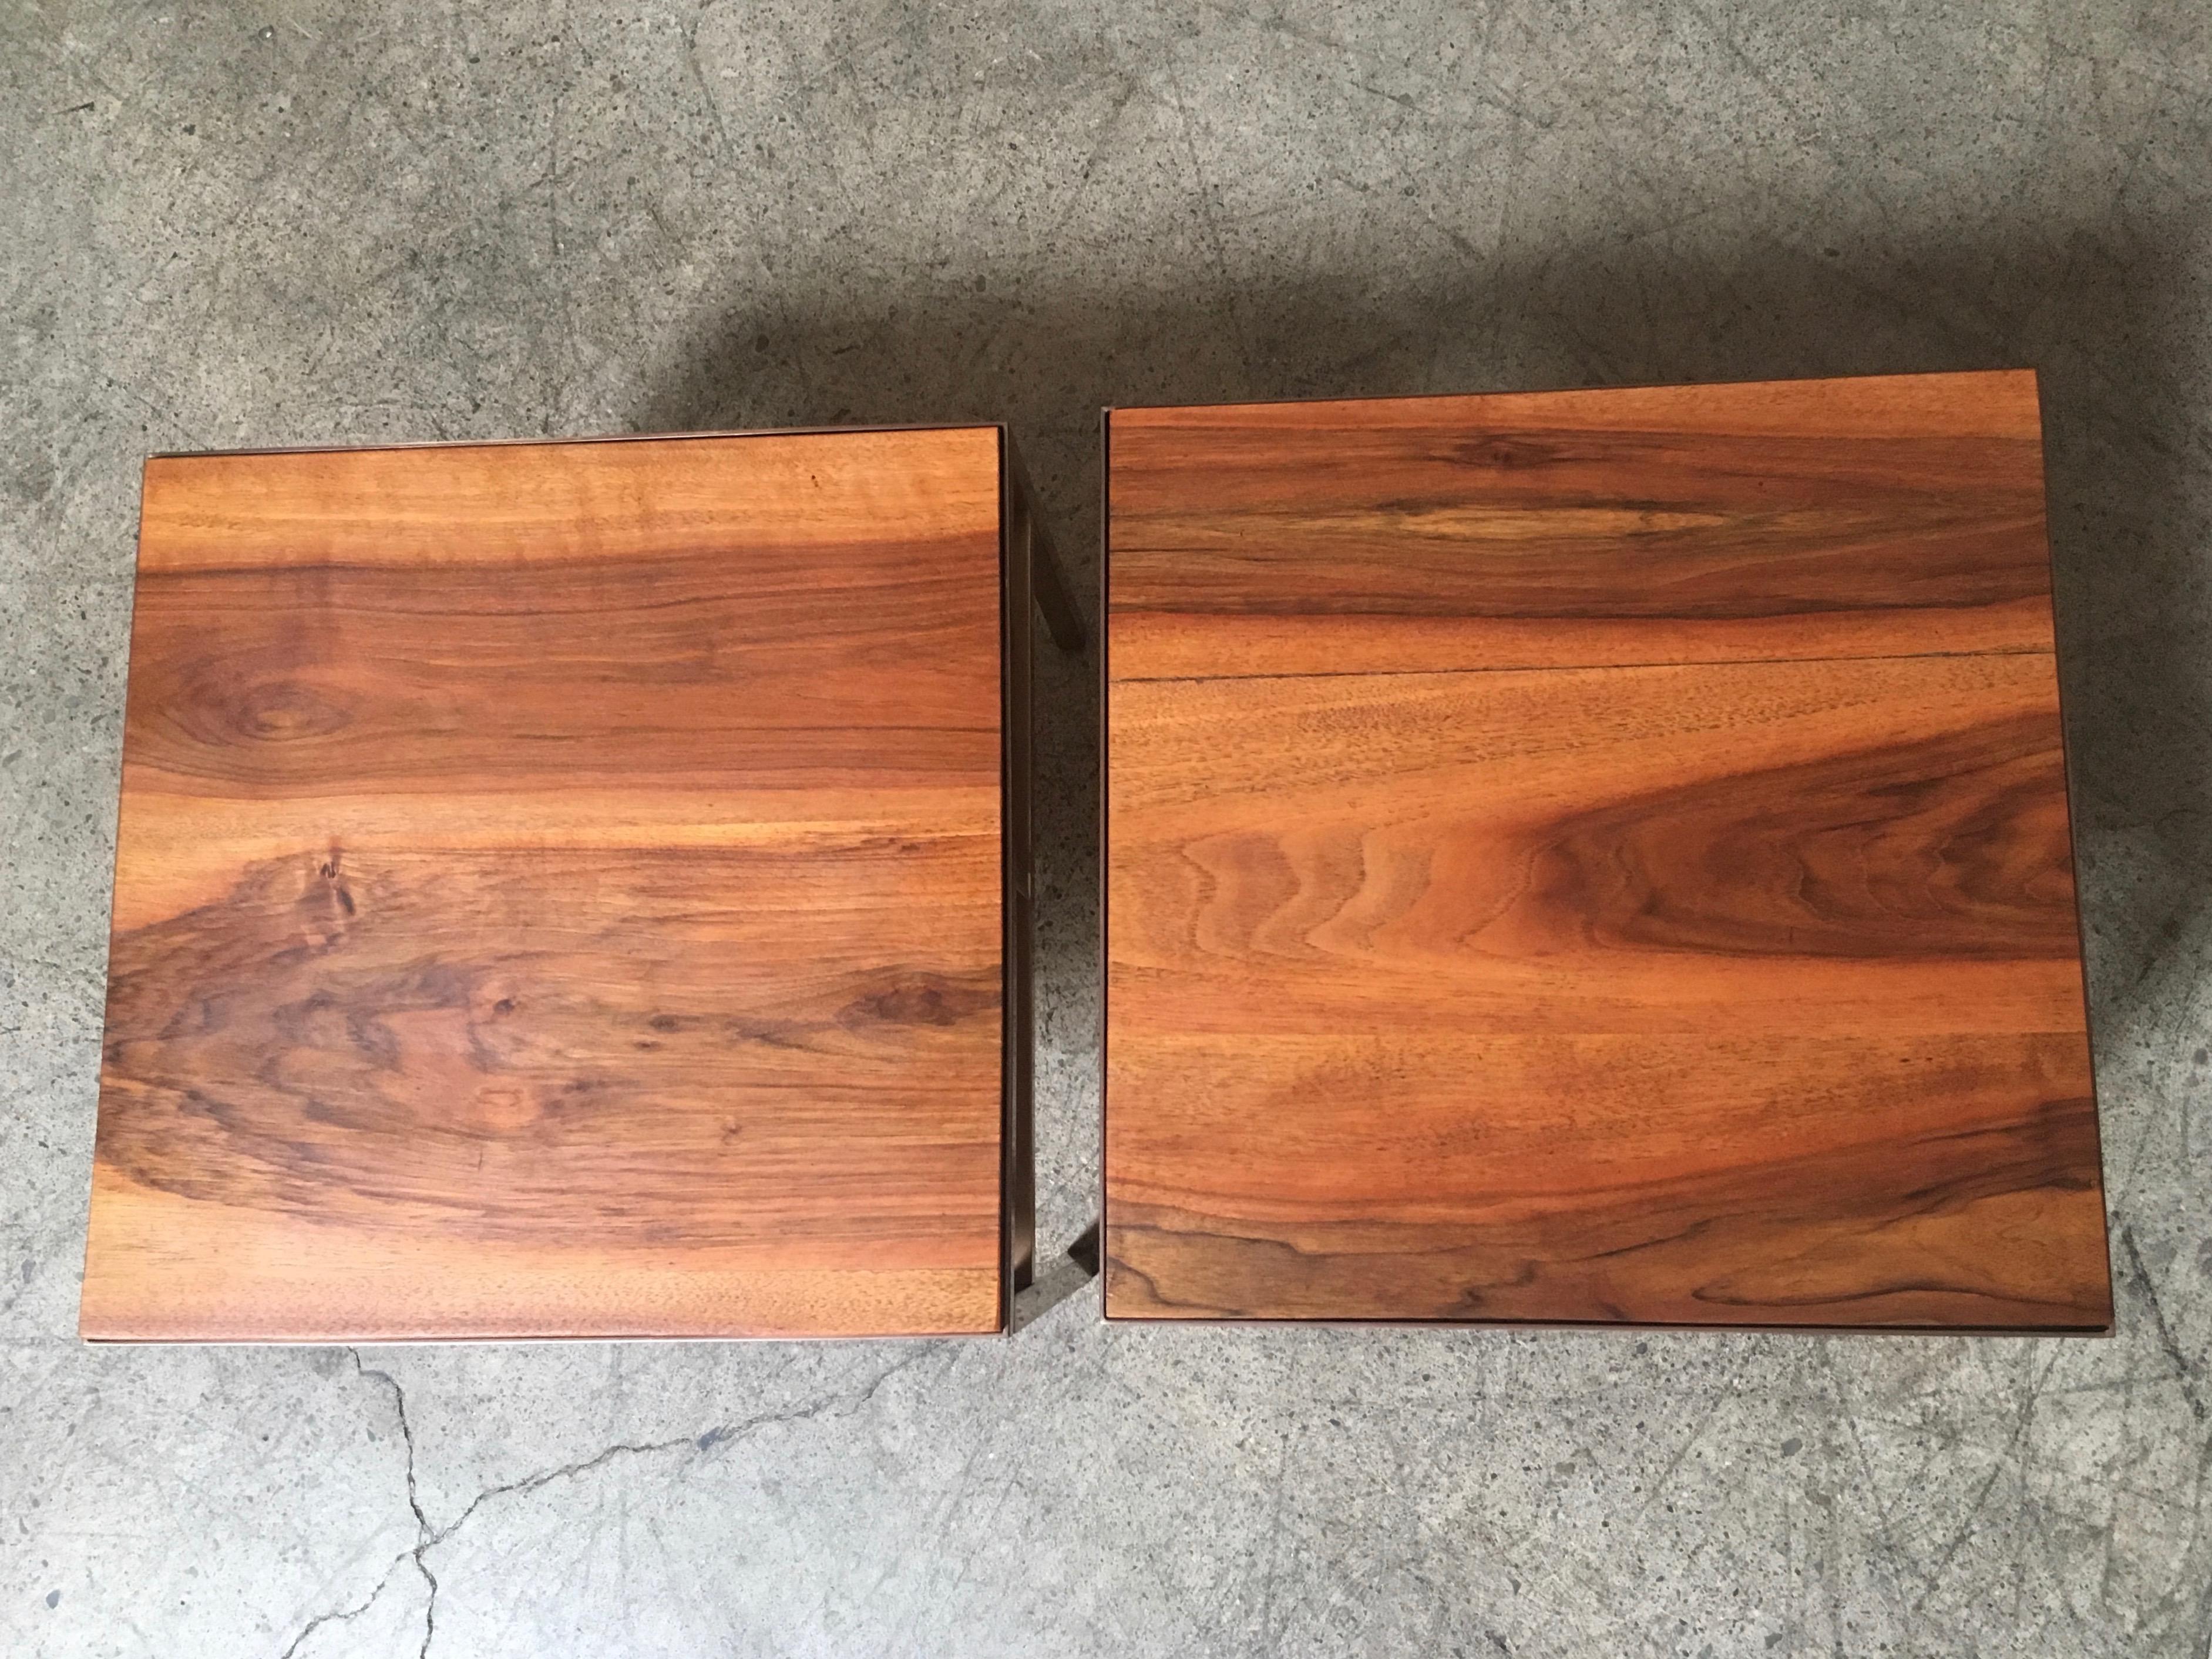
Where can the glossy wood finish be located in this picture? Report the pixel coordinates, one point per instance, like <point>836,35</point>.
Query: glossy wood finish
<point>1594,857</point>
<point>560,891</point>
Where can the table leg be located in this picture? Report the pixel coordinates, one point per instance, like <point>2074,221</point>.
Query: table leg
<point>1056,599</point>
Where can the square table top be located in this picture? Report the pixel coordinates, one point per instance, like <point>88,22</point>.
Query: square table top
<point>1594,857</point>
<point>558,893</point>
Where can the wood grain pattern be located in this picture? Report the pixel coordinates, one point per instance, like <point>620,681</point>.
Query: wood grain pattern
<point>559,892</point>
<point>1594,857</point>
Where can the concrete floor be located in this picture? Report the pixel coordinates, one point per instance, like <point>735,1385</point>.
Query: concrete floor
<point>309,222</point>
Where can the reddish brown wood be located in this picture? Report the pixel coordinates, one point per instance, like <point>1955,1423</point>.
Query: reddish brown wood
<point>1594,857</point>
<point>560,891</point>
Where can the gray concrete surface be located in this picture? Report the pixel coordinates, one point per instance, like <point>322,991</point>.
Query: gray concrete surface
<point>310,222</point>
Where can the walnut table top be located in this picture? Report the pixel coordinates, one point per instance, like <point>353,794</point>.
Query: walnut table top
<point>559,893</point>
<point>1594,857</point>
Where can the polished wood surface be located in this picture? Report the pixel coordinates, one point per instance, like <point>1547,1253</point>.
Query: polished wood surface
<point>559,893</point>
<point>1594,857</point>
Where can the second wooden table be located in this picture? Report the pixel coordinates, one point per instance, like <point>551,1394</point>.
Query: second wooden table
<point>1594,857</point>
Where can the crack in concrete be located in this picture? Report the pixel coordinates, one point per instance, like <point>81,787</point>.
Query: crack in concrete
<point>344,1616</point>
<point>424,1538</point>
<point>428,1538</point>
<point>2183,1373</point>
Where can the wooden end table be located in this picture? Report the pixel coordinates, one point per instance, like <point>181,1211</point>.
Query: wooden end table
<point>1594,857</point>
<point>575,889</point>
